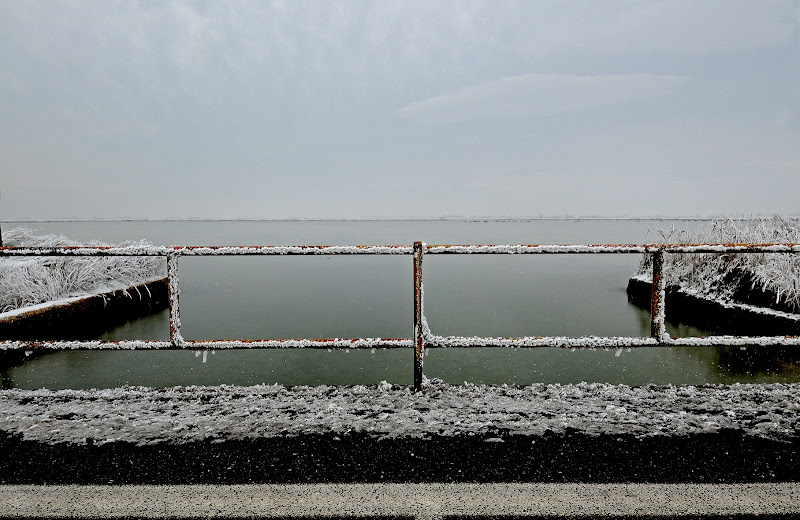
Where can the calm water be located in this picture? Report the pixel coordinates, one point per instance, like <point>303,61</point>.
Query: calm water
<point>370,296</point>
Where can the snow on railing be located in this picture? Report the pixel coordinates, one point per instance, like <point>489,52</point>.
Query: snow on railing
<point>422,336</point>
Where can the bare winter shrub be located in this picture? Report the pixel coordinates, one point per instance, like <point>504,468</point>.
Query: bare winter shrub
<point>30,281</point>
<point>727,276</point>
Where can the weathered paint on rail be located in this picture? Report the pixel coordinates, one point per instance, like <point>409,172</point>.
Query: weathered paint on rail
<point>657,299</point>
<point>237,344</point>
<point>206,250</point>
<point>173,296</point>
<point>419,339</point>
<point>138,250</point>
<point>584,342</point>
<point>610,248</point>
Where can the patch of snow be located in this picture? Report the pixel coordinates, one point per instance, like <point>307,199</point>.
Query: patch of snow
<point>724,303</point>
<point>62,302</point>
<point>190,414</point>
<point>41,306</point>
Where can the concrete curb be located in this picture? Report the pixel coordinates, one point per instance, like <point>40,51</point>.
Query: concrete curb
<point>406,500</point>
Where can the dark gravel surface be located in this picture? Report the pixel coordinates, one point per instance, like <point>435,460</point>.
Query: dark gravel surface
<point>723,457</point>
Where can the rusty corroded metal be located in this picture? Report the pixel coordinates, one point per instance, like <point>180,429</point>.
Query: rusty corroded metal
<point>577,343</point>
<point>657,299</point>
<point>609,248</point>
<point>603,342</point>
<point>418,316</point>
<point>422,338</point>
<point>149,250</point>
<point>397,249</point>
<point>225,344</point>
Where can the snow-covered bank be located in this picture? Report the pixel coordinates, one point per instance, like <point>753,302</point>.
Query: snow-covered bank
<point>144,416</point>
<point>719,317</point>
<point>26,282</point>
<point>80,317</point>
<point>767,280</point>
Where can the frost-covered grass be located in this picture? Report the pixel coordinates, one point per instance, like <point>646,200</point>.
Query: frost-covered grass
<point>724,276</point>
<point>31,281</point>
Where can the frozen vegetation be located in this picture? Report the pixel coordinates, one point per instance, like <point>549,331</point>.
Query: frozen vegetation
<point>730,278</point>
<point>191,414</point>
<point>26,281</point>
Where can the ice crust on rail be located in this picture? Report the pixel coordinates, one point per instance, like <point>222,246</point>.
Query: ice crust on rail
<point>194,414</point>
<point>431,341</point>
<point>611,248</point>
<point>335,343</point>
<point>555,341</point>
<point>151,250</point>
<point>174,299</point>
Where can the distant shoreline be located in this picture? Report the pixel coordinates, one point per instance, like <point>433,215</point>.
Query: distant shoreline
<point>379,219</point>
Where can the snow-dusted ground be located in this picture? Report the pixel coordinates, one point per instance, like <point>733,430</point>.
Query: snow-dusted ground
<point>190,414</point>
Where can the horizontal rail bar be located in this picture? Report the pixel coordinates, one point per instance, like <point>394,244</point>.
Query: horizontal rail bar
<point>205,250</point>
<point>539,341</point>
<point>422,339</point>
<point>395,249</point>
<point>585,342</point>
<point>611,248</point>
<point>735,341</point>
<point>592,342</point>
<point>237,344</point>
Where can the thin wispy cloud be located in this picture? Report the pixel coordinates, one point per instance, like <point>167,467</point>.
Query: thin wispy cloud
<point>534,95</point>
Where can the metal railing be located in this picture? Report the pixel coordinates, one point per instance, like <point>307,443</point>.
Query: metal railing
<point>422,337</point>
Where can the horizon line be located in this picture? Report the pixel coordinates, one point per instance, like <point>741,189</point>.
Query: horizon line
<point>456,218</point>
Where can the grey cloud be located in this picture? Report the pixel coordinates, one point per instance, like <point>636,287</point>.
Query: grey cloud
<point>228,104</point>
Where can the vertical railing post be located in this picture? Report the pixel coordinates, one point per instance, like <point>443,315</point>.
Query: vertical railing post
<point>657,297</point>
<point>418,335</point>
<point>173,295</point>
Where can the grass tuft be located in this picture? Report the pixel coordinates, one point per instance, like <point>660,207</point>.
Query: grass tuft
<point>31,281</point>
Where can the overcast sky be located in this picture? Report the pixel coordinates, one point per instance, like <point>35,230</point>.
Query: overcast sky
<point>389,108</point>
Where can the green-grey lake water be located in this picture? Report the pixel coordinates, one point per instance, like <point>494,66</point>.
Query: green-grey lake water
<point>371,296</point>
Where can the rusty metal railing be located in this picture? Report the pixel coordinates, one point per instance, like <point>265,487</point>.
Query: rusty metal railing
<point>422,337</point>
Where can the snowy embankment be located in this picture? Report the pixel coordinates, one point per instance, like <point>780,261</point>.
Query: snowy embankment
<point>175,416</point>
<point>758,280</point>
<point>28,283</point>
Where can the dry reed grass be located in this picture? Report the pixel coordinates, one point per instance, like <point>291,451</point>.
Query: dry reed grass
<point>726,276</point>
<point>26,281</point>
